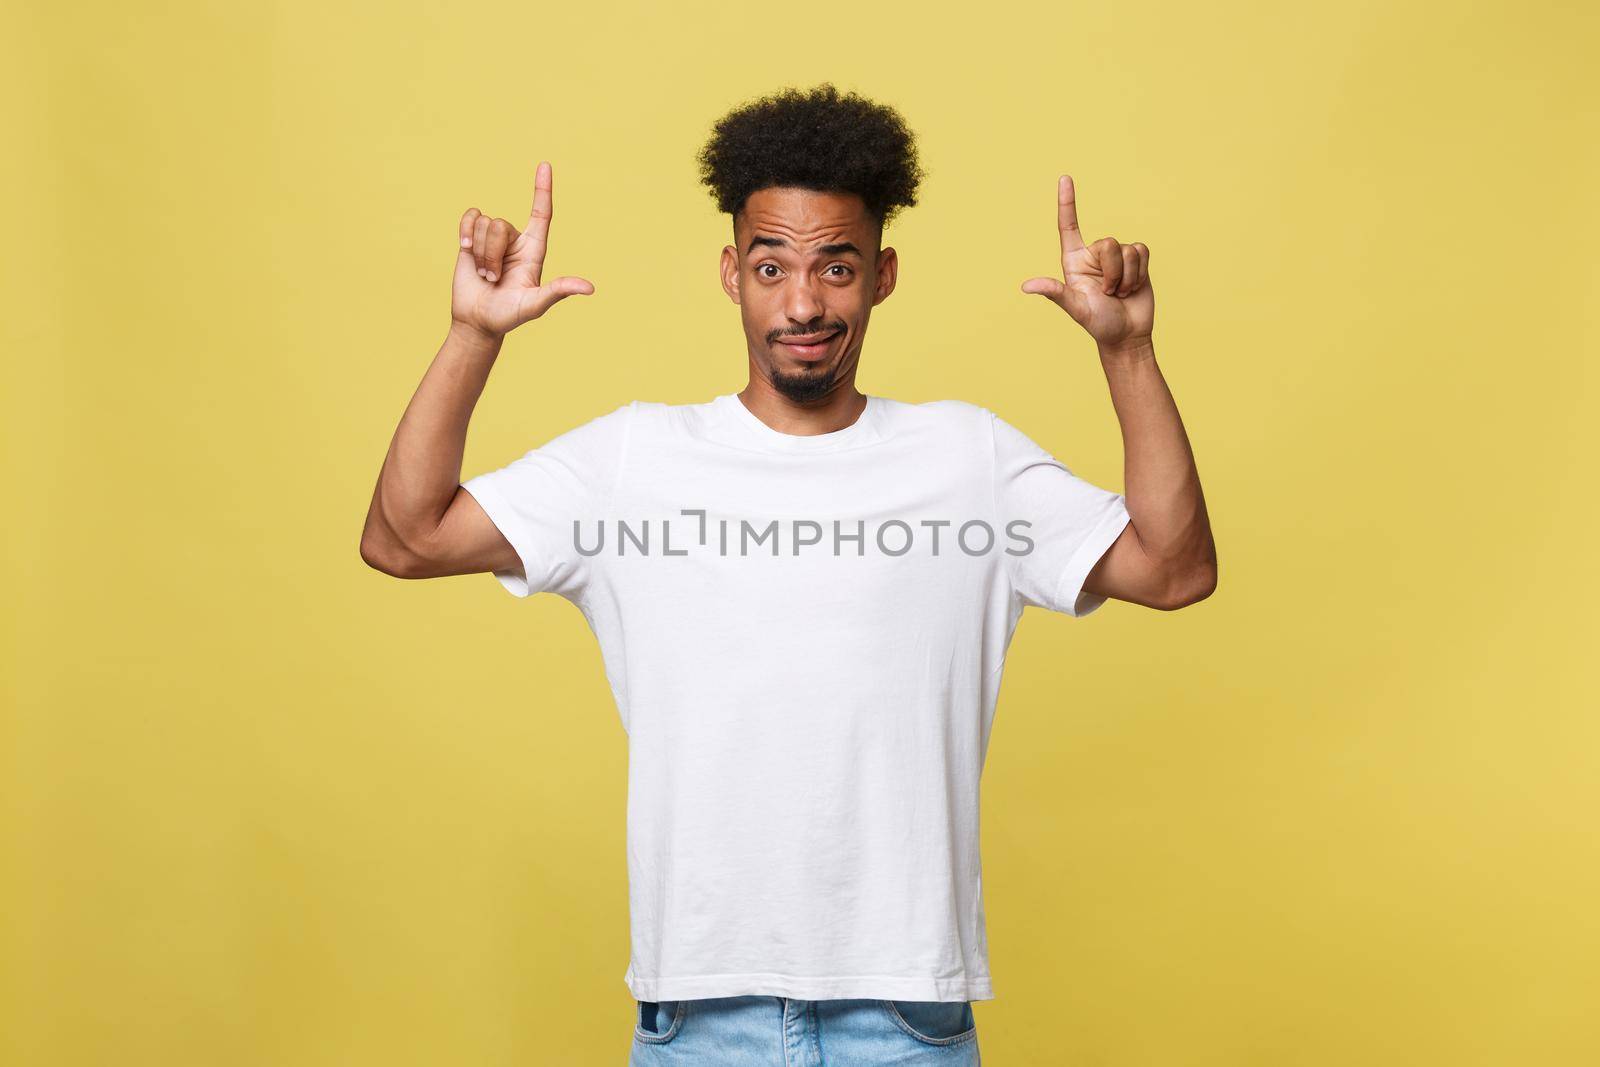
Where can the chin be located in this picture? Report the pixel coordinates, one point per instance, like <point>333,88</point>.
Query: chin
<point>811,384</point>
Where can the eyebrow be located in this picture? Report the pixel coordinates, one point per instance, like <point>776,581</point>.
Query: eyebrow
<point>827,250</point>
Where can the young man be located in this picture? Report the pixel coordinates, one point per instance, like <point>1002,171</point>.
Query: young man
<point>803,594</point>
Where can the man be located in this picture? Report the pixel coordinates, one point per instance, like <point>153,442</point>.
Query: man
<point>803,594</point>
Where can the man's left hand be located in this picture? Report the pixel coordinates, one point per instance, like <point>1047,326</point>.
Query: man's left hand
<point>1107,287</point>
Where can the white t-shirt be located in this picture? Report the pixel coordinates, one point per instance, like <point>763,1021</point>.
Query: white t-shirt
<point>804,636</point>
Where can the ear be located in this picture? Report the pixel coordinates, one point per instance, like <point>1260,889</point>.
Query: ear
<point>888,273</point>
<point>730,272</point>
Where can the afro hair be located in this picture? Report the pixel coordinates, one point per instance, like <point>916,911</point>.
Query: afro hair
<point>819,140</point>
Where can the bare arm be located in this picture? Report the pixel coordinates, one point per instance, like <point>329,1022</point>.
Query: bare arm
<point>421,523</point>
<point>1166,558</point>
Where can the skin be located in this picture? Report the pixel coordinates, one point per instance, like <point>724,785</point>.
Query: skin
<point>1166,558</point>
<point>802,263</point>
<point>421,523</point>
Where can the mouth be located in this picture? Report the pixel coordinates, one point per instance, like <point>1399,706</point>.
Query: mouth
<point>809,347</point>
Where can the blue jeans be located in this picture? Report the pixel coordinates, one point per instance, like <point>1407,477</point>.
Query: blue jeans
<point>764,1031</point>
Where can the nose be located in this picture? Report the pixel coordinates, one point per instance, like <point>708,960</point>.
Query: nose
<point>800,300</point>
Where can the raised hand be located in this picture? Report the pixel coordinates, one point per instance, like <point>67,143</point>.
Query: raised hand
<point>497,284</point>
<point>1107,287</point>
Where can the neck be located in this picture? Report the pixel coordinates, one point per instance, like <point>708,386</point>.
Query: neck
<point>839,408</point>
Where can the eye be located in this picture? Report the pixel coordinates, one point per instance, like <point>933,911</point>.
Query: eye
<point>842,267</point>
<point>761,266</point>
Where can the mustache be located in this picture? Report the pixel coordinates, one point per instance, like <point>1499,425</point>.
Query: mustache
<point>773,337</point>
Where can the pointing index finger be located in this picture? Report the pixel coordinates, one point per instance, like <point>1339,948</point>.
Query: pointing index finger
<point>538,229</point>
<point>1067,214</point>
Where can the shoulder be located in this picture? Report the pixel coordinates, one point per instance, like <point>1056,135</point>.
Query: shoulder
<point>949,414</point>
<point>656,419</point>
<point>617,420</point>
<point>935,409</point>
<point>601,437</point>
<point>975,426</point>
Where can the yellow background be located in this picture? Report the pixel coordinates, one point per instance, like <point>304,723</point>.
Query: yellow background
<point>264,805</point>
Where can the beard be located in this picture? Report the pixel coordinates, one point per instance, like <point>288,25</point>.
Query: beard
<point>804,388</point>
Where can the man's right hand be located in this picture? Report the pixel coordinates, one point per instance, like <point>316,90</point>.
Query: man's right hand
<point>497,283</point>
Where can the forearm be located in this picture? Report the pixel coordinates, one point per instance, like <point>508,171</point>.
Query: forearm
<point>422,469</point>
<point>1162,484</point>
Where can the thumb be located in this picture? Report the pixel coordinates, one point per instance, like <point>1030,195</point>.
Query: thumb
<point>553,292</point>
<point>466,266</point>
<point>1050,287</point>
<point>569,285</point>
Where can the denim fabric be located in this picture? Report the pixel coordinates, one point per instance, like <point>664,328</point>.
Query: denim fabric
<point>763,1031</point>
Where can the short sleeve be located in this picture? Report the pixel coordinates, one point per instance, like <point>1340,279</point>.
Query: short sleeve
<point>1056,526</point>
<point>535,500</point>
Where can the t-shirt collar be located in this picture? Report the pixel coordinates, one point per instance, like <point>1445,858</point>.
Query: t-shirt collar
<point>865,429</point>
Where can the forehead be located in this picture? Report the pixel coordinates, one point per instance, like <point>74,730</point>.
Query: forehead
<point>805,217</point>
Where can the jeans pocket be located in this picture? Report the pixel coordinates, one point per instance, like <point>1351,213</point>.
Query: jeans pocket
<point>934,1022</point>
<point>658,1021</point>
